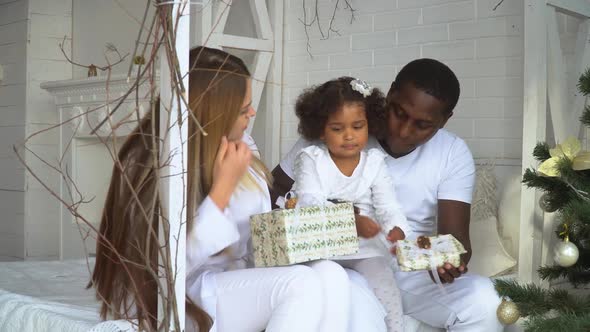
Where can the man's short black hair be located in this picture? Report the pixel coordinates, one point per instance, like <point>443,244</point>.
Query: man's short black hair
<point>431,76</point>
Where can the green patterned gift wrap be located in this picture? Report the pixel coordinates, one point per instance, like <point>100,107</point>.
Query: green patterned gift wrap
<point>444,248</point>
<point>290,236</point>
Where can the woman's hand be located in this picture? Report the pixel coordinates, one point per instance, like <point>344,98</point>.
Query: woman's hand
<point>231,163</point>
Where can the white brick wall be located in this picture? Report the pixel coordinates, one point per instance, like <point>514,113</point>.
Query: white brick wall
<point>13,41</point>
<point>483,46</point>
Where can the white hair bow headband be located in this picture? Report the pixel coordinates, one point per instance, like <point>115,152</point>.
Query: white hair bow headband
<point>361,86</point>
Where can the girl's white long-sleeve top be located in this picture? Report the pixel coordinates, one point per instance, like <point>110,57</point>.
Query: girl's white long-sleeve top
<point>370,188</point>
<point>214,230</point>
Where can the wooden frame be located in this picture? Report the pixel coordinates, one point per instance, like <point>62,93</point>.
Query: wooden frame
<point>267,67</point>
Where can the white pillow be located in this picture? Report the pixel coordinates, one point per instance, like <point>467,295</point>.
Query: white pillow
<point>489,258</point>
<point>484,202</point>
<point>509,213</point>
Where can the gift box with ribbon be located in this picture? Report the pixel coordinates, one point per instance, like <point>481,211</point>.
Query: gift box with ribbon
<point>414,256</point>
<point>290,236</point>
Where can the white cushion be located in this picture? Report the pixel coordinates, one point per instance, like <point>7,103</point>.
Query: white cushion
<point>484,203</point>
<point>489,257</point>
<point>509,213</point>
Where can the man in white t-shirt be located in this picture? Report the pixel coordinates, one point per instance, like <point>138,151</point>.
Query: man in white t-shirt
<point>434,172</point>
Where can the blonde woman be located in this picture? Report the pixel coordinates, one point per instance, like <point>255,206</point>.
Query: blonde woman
<point>232,185</point>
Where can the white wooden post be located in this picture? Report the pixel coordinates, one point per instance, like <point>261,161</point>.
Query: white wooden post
<point>272,133</point>
<point>582,63</point>
<point>556,87</point>
<point>173,179</point>
<point>534,127</point>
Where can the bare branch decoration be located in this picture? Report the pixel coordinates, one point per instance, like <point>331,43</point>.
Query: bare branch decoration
<point>316,20</point>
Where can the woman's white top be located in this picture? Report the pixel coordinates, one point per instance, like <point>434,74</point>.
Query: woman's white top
<point>214,230</point>
<point>370,188</point>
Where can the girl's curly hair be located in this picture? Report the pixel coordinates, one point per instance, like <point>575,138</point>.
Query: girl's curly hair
<point>315,105</point>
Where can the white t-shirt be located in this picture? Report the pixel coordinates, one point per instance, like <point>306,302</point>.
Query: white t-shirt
<point>441,168</point>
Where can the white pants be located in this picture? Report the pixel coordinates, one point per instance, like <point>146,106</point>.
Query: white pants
<point>312,297</point>
<point>469,303</point>
<point>366,312</point>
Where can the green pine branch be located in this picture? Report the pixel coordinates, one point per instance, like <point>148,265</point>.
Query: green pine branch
<point>585,118</point>
<point>584,83</point>
<point>561,323</point>
<point>529,298</point>
<point>532,300</point>
<point>541,151</point>
<point>578,211</point>
<point>566,303</point>
<point>577,275</point>
<point>553,272</point>
<point>532,179</point>
<point>559,193</point>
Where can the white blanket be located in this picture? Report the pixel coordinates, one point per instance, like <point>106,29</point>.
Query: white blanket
<point>25,313</point>
<point>51,296</point>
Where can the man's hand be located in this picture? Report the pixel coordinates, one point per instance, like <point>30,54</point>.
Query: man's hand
<point>365,226</point>
<point>448,272</point>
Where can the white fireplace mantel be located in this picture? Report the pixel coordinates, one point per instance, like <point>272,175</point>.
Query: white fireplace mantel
<point>88,157</point>
<point>96,96</point>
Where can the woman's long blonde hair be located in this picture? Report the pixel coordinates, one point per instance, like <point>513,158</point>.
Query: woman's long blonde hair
<point>121,276</point>
<point>217,88</point>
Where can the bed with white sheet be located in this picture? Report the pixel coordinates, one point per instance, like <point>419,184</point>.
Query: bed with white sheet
<point>49,296</point>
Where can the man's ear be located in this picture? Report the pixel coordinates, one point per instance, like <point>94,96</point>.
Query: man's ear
<point>447,117</point>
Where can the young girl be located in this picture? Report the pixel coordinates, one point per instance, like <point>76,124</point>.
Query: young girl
<point>226,184</point>
<point>339,115</point>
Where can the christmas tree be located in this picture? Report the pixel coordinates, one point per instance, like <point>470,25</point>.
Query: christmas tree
<point>564,177</point>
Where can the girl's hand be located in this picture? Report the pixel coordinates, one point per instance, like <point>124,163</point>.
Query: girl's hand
<point>394,235</point>
<point>366,227</point>
<point>231,163</point>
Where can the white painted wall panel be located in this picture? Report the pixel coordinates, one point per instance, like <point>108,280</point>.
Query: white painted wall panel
<point>13,39</point>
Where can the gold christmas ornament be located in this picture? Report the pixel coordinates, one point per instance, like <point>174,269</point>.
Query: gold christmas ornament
<point>566,253</point>
<point>507,312</point>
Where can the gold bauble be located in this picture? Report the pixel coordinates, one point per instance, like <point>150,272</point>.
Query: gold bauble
<point>507,312</point>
